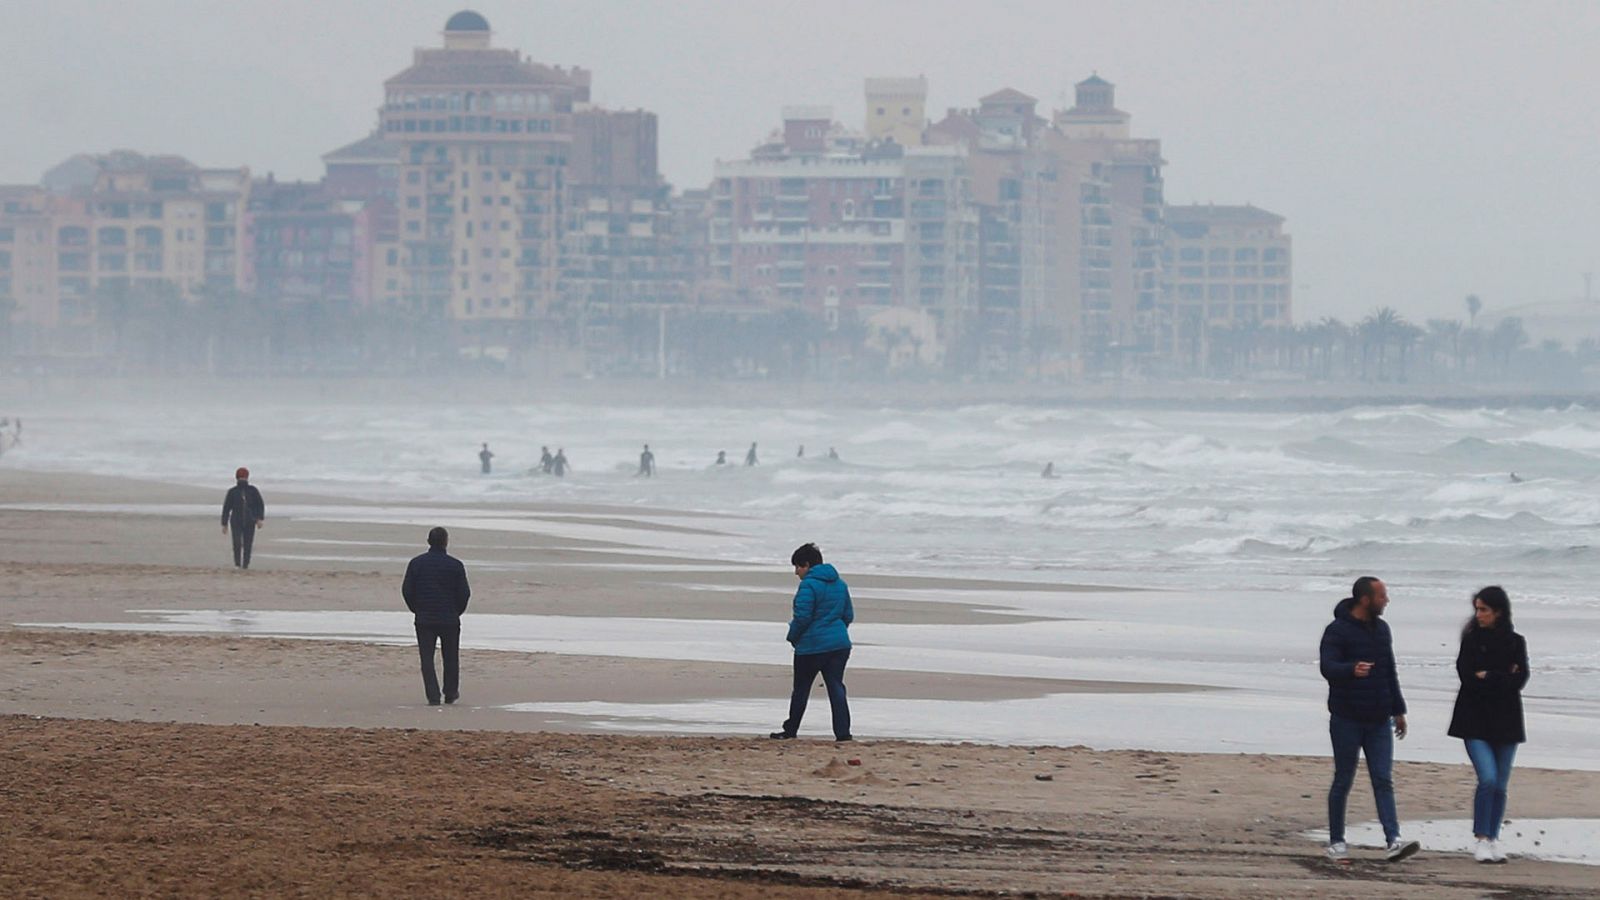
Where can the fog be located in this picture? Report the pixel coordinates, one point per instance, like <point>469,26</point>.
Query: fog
<point>1051,389</point>
<point>1420,151</point>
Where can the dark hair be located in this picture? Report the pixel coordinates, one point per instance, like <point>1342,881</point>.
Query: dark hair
<point>806,555</point>
<point>438,538</point>
<point>1364,587</point>
<point>1494,596</point>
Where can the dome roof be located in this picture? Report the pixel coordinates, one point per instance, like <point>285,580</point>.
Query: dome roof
<point>467,20</point>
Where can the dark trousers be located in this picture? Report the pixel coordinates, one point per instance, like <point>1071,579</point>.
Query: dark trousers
<point>1352,739</point>
<point>448,637</point>
<point>244,535</point>
<point>806,668</point>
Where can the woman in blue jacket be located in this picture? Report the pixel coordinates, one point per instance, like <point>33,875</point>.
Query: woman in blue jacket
<point>820,633</point>
<point>1493,667</point>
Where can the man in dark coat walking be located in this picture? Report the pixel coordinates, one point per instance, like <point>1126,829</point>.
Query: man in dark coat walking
<point>1366,711</point>
<point>435,590</point>
<point>244,509</point>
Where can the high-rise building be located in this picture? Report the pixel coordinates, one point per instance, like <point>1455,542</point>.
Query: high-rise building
<point>524,212</point>
<point>100,226</point>
<point>484,137</point>
<point>1123,314</point>
<point>29,299</point>
<point>1225,265</point>
<point>897,109</point>
<point>1070,209</point>
<point>822,221</point>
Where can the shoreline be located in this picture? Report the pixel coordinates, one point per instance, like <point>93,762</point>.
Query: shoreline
<point>1005,662</point>
<point>259,765</point>
<point>75,567</point>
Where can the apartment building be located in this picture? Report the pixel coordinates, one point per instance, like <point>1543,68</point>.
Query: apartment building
<point>525,214</point>
<point>822,220</point>
<point>1228,264</point>
<point>1124,312</point>
<point>103,225</point>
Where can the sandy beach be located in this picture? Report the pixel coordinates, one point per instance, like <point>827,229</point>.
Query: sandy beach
<point>140,763</point>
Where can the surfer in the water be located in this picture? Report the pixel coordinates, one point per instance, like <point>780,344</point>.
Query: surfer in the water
<point>484,456</point>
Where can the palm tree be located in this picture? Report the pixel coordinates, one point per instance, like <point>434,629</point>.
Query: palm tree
<point>1474,304</point>
<point>8,306</point>
<point>1378,330</point>
<point>1444,336</point>
<point>1330,333</point>
<point>1473,341</point>
<point>1405,337</point>
<point>1505,339</point>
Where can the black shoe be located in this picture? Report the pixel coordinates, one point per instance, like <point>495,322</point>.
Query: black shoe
<point>451,698</point>
<point>840,740</point>
<point>781,736</point>
<point>433,701</point>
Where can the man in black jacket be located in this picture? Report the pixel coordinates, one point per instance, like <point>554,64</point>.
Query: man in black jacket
<point>245,510</point>
<point>435,590</point>
<point>1364,704</point>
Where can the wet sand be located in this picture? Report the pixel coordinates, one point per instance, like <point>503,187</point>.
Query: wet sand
<point>133,764</point>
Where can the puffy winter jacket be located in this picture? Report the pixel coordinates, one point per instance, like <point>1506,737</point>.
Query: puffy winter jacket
<point>822,612</point>
<point>435,588</point>
<point>1347,641</point>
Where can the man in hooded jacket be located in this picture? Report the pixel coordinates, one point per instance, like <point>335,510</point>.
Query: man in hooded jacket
<point>820,633</point>
<point>244,509</point>
<point>1366,711</point>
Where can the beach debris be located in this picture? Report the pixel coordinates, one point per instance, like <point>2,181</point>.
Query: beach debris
<point>1044,778</point>
<point>853,762</point>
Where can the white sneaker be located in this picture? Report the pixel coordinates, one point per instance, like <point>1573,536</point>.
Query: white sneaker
<point>1483,851</point>
<point>1338,851</point>
<point>1495,852</point>
<point>1398,850</point>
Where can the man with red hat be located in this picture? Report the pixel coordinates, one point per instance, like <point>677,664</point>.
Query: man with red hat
<point>245,509</point>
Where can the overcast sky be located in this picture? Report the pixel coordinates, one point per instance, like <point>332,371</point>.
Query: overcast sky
<point>1420,151</point>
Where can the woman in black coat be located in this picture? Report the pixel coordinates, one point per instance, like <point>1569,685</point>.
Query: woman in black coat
<point>1493,666</point>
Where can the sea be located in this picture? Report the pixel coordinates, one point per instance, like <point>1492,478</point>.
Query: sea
<point>1236,528</point>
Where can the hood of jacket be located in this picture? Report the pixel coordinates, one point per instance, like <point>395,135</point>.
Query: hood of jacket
<point>1342,610</point>
<point>824,573</point>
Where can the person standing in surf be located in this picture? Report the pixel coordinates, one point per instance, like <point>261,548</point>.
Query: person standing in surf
<point>483,458</point>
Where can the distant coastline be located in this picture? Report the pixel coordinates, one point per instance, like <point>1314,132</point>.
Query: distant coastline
<point>37,393</point>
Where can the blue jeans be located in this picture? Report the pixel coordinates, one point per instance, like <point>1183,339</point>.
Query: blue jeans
<point>1493,764</point>
<point>806,667</point>
<point>1350,740</point>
